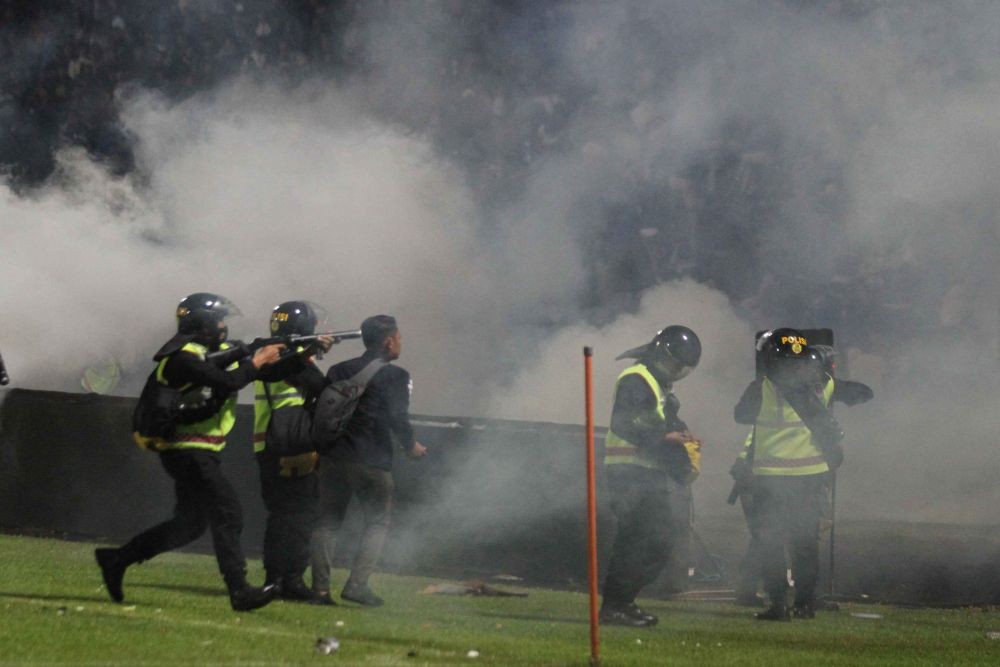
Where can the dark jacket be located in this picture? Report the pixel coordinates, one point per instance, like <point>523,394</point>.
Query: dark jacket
<point>381,418</point>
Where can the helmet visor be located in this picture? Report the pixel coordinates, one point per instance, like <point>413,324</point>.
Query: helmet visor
<point>671,368</point>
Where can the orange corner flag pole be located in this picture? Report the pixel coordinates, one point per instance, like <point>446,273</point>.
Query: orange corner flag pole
<point>588,384</point>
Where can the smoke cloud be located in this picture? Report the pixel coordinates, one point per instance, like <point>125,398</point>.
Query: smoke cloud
<point>865,131</point>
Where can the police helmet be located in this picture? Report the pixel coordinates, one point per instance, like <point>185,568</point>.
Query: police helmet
<point>295,318</point>
<point>200,314</point>
<point>675,351</point>
<point>788,359</point>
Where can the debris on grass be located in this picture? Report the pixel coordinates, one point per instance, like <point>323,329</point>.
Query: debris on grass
<point>474,587</point>
<point>859,614</point>
<point>411,654</point>
<point>993,634</point>
<point>339,624</point>
<point>507,577</point>
<point>473,653</point>
<point>327,645</point>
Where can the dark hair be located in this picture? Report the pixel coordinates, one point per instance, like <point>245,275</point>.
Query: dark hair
<point>376,329</point>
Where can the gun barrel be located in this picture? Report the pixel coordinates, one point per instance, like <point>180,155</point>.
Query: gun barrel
<point>347,334</point>
<point>4,378</point>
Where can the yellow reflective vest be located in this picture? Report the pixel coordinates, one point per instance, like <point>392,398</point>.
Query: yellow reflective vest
<point>283,395</point>
<point>783,444</point>
<point>617,450</point>
<point>209,433</point>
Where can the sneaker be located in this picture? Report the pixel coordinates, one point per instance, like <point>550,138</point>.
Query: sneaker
<point>248,598</point>
<point>618,616</point>
<point>113,570</point>
<point>361,594</point>
<point>633,610</point>
<point>323,599</point>
<point>804,611</point>
<point>293,588</point>
<point>775,612</point>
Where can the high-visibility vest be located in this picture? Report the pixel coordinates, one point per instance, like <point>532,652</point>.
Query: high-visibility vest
<point>283,395</point>
<point>209,433</point>
<point>617,450</point>
<point>783,444</point>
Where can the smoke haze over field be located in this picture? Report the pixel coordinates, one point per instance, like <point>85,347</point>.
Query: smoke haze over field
<point>868,131</point>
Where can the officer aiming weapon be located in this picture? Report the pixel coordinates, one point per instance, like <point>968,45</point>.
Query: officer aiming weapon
<point>4,378</point>
<point>291,341</point>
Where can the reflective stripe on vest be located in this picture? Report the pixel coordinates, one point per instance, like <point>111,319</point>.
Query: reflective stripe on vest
<point>617,450</point>
<point>283,395</point>
<point>209,433</point>
<point>784,445</point>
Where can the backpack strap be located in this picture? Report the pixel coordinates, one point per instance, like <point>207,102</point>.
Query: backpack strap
<point>365,375</point>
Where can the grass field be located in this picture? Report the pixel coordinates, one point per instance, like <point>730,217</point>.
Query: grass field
<point>55,610</point>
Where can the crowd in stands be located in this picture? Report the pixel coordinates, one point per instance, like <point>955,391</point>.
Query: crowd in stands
<point>64,63</point>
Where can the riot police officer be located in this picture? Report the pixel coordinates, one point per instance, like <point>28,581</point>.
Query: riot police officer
<point>191,452</point>
<point>285,453</point>
<point>793,447</point>
<point>647,442</point>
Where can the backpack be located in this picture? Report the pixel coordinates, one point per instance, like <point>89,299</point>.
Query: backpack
<point>289,430</point>
<point>336,405</point>
<point>161,408</point>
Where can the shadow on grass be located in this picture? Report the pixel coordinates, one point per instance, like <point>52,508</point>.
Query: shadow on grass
<point>198,590</point>
<point>536,618</point>
<point>55,598</point>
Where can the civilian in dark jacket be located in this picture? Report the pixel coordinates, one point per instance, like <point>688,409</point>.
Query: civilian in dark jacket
<point>361,462</point>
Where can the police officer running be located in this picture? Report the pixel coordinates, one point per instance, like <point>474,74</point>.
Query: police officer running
<point>647,442</point>
<point>285,453</point>
<point>794,446</point>
<point>205,498</point>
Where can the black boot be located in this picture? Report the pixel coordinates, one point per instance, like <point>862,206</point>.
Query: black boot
<point>323,599</point>
<point>113,570</point>
<point>248,598</point>
<point>633,610</point>
<point>615,615</point>
<point>293,588</point>
<point>776,612</point>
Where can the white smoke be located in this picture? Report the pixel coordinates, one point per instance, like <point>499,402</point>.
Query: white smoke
<point>265,192</point>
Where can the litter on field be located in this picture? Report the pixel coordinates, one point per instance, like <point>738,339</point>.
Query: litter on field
<point>327,645</point>
<point>859,614</point>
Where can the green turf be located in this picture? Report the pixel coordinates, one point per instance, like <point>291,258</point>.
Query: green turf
<point>55,610</point>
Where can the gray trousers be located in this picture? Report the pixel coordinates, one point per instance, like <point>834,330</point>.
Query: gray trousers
<point>339,482</point>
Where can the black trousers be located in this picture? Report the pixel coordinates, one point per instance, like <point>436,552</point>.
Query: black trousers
<point>205,499</point>
<point>640,502</point>
<point>339,482</point>
<point>789,509</point>
<point>292,504</point>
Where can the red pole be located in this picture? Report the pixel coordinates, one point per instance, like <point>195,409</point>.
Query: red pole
<point>588,383</point>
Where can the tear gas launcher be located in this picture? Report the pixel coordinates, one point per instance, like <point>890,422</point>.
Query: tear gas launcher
<point>295,342</point>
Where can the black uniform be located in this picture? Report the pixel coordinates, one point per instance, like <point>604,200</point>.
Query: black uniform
<point>360,464</point>
<point>785,511</point>
<point>640,496</point>
<point>205,498</point>
<point>289,485</point>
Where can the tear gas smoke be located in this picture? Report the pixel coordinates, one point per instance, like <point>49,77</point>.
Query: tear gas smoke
<point>865,128</point>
